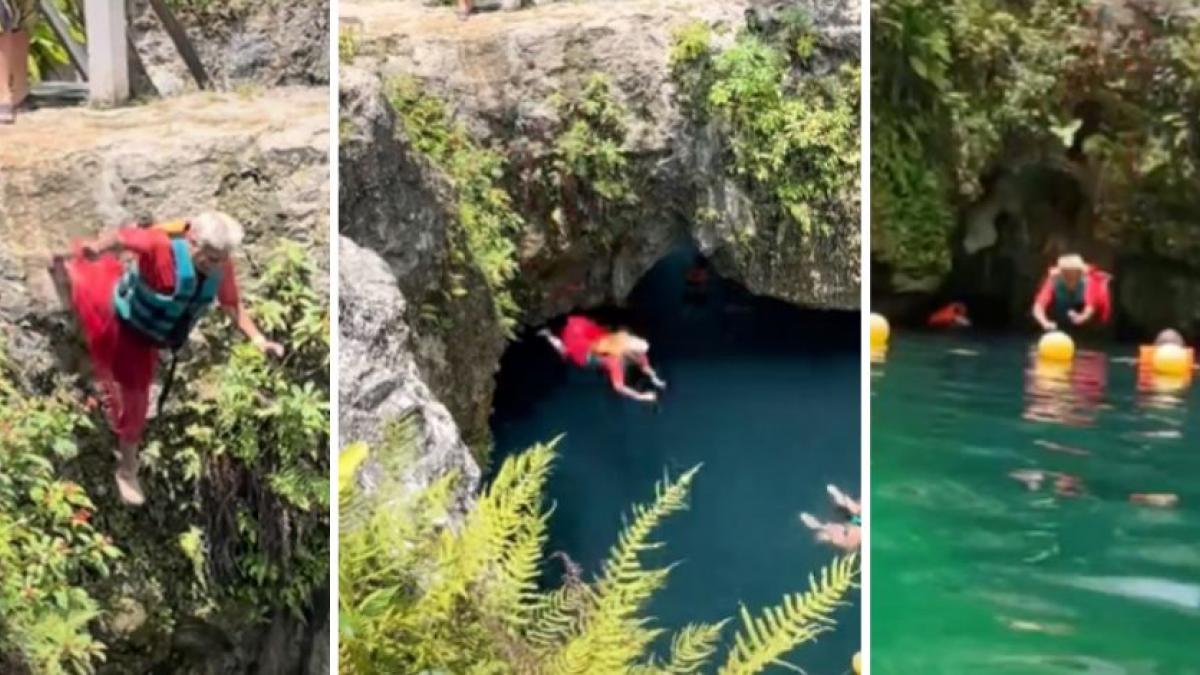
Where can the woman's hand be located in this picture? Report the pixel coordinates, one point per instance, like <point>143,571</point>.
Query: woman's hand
<point>267,347</point>
<point>1049,325</point>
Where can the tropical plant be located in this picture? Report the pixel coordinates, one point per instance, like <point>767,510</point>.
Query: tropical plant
<point>487,222</point>
<point>421,591</point>
<point>587,167</point>
<point>49,549</point>
<point>793,140</point>
<point>248,461</point>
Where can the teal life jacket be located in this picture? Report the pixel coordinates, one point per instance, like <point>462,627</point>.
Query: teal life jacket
<point>1065,299</point>
<point>166,319</point>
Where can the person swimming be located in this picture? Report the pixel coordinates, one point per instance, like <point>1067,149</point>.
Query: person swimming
<point>846,536</point>
<point>1072,294</point>
<point>953,315</point>
<point>588,344</point>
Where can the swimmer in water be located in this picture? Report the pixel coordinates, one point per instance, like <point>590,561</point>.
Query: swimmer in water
<point>846,536</point>
<point>588,344</point>
<point>1169,336</point>
<point>953,315</point>
<point>1073,294</point>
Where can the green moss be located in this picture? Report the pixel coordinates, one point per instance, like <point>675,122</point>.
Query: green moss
<point>793,141</point>
<point>487,222</point>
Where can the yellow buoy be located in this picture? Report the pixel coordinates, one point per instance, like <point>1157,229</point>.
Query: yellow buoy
<point>1056,346</point>
<point>1172,360</point>
<point>880,331</point>
<point>856,662</point>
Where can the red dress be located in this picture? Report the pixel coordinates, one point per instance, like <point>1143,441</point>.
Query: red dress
<point>124,362</point>
<point>580,335</point>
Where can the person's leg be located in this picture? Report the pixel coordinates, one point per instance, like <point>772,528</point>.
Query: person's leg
<point>841,499</point>
<point>465,7</point>
<point>135,404</point>
<point>554,341</point>
<point>7,68</point>
<point>20,68</point>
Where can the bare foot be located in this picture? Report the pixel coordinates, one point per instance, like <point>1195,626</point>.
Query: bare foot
<point>129,488</point>
<point>810,521</point>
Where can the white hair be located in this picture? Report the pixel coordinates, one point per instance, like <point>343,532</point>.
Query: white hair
<point>637,344</point>
<point>216,231</point>
<point>1071,262</point>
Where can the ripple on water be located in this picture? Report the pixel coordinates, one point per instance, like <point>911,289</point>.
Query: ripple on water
<point>1004,538</point>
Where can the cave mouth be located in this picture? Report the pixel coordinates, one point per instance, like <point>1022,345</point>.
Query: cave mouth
<point>764,394</point>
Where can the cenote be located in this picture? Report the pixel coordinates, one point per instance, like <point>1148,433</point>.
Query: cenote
<point>974,571</point>
<point>766,396</point>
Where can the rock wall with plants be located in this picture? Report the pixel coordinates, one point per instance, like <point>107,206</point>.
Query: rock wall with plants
<point>225,570</point>
<point>527,163</point>
<point>1005,133</point>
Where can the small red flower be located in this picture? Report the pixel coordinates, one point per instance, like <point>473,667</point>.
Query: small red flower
<point>81,517</point>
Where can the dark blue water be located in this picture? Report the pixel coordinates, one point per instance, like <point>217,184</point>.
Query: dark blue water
<point>764,395</point>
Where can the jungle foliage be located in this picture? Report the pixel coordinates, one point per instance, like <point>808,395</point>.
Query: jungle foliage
<point>236,473</point>
<point>792,135</point>
<point>420,592</point>
<point>966,88</point>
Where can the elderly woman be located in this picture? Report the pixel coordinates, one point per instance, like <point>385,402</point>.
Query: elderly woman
<point>589,344</point>
<point>1073,294</point>
<point>128,315</point>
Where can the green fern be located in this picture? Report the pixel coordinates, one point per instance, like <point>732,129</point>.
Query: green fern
<point>421,594</point>
<point>801,618</point>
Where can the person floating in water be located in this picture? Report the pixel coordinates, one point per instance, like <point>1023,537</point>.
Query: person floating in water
<point>1073,294</point>
<point>846,536</point>
<point>953,315</point>
<point>128,315</point>
<point>589,344</point>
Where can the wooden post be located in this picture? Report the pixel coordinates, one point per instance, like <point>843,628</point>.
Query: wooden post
<point>108,60</point>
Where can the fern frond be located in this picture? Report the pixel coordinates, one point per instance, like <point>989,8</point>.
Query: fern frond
<point>612,635</point>
<point>801,618</point>
<point>491,555</point>
<point>692,647</point>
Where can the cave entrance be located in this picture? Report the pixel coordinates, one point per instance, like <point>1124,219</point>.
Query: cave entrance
<point>765,395</point>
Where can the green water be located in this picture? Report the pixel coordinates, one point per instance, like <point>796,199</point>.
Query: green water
<point>974,572</point>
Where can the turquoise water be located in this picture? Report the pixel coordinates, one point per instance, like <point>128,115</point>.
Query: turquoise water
<point>974,571</point>
<point>766,397</point>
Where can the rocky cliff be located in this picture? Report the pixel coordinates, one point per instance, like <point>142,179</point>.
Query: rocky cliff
<point>68,173</point>
<point>240,43</point>
<point>502,76</point>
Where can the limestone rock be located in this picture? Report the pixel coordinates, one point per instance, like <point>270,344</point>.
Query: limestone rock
<point>380,380</point>
<point>239,42</point>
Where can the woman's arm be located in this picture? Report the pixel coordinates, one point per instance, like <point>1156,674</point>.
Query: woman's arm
<point>108,241</point>
<point>1039,314</point>
<point>1083,317</point>
<point>616,375</point>
<point>643,362</point>
<point>241,318</point>
<point>230,299</point>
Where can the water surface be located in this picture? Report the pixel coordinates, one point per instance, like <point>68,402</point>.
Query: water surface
<point>765,396</point>
<point>977,571</point>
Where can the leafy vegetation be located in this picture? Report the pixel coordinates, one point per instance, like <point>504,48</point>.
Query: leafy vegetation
<point>236,471</point>
<point>49,549</point>
<point>487,221</point>
<point>961,89</point>
<point>587,171</point>
<point>248,444</point>
<point>418,594</point>
<point>793,139</point>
